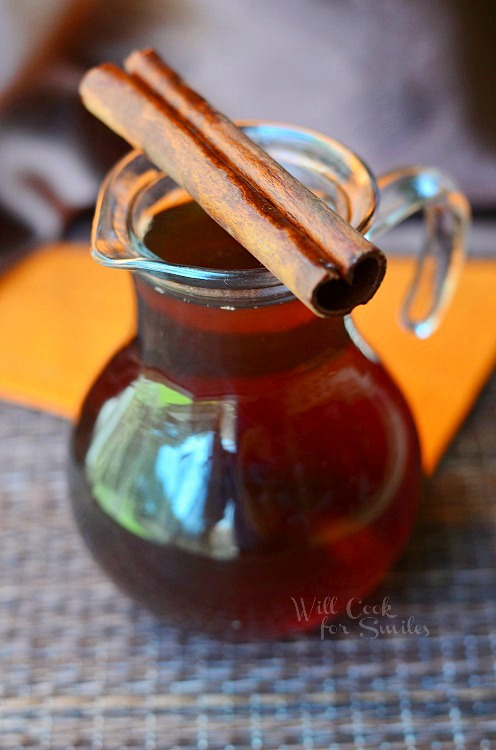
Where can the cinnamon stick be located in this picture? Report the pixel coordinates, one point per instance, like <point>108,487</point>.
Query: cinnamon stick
<point>298,237</point>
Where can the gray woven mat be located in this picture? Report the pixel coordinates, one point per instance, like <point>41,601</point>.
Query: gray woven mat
<point>83,667</point>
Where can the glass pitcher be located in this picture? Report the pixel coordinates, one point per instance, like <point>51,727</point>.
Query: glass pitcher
<point>242,454</point>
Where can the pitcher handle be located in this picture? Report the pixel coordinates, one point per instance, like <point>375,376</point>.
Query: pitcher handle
<point>403,192</point>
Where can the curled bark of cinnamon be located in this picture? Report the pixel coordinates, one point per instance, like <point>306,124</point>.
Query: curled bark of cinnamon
<point>326,263</point>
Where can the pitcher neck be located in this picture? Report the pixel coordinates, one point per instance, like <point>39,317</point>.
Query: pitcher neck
<point>206,349</point>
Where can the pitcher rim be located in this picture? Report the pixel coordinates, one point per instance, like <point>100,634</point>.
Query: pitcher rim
<point>116,244</point>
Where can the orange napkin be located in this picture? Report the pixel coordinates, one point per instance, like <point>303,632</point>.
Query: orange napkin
<point>62,315</point>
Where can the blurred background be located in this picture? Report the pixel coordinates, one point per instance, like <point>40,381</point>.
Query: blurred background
<point>399,82</point>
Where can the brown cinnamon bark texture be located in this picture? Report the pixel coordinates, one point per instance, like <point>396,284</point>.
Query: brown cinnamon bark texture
<point>325,262</point>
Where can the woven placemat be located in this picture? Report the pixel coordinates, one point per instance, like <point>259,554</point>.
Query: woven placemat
<point>83,667</point>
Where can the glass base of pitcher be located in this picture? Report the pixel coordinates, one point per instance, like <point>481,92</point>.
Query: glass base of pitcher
<point>252,596</point>
<point>301,528</point>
